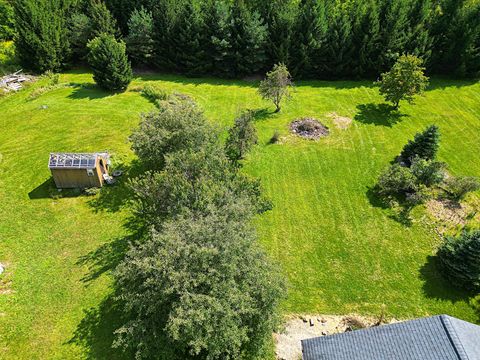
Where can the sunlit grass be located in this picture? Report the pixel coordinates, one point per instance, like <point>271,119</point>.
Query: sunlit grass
<point>340,252</point>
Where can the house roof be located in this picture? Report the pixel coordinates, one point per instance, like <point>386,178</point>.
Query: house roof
<point>434,338</point>
<point>74,160</point>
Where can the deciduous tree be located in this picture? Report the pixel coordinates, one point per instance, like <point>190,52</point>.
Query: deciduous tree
<point>276,85</point>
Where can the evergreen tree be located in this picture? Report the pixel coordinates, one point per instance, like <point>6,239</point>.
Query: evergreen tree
<point>279,18</point>
<point>188,40</point>
<point>80,32</point>
<point>164,18</point>
<point>122,10</point>
<point>337,55</point>
<point>308,37</point>
<point>247,41</point>
<point>109,63</point>
<point>241,137</point>
<point>394,30</point>
<point>365,38</point>
<point>7,26</point>
<point>460,260</point>
<point>218,39</point>
<point>424,145</point>
<point>102,20</point>
<point>140,44</point>
<point>420,41</point>
<point>41,38</point>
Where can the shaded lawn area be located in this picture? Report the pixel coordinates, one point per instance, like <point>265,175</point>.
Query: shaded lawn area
<point>340,249</point>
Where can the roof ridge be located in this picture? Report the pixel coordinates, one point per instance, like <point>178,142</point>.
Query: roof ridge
<point>453,337</point>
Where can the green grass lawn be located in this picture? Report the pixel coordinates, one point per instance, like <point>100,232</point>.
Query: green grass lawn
<point>341,251</point>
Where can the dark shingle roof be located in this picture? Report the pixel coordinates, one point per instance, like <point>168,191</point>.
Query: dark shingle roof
<point>435,338</point>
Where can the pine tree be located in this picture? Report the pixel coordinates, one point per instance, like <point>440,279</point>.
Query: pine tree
<point>41,34</point>
<point>365,38</point>
<point>424,145</point>
<point>7,25</point>
<point>80,31</point>
<point>109,62</point>
<point>394,35</point>
<point>337,55</point>
<point>308,36</point>
<point>460,260</point>
<point>140,44</point>
<point>187,40</point>
<point>247,39</point>
<point>164,18</point>
<point>218,39</point>
<point>420,40</point>
<point>102,20</point>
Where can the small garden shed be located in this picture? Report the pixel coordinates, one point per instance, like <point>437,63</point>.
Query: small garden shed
<point>79,170</point>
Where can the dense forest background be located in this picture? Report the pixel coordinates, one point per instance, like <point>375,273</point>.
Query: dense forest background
<point>322,39</point>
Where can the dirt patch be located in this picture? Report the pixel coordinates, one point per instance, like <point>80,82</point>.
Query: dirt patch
<point>309,128</point>
<point>341,122</point>
<point>288,343</point>
<point>447,213</point>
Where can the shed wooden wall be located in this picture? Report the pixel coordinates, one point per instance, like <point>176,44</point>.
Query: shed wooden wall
<point>76,178</point>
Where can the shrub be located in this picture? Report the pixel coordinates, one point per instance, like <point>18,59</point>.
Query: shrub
<point>424,145</point>
<point>241,137</point>
<point>458,187</point>
<point>275,137</point>
<point>405,80</point>
<point>460,260</point>
<point>173,127</point>
<point>428,172</point>
<point>154,93</point>
<point>111,69</point>
<point>276,85</point>
<point>396,180</point>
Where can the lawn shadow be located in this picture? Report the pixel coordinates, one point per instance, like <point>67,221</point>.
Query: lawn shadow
<point>96,331</point>
<point>48,190</point>
<point>400,212</point>
<point>88,91</point>
<point>261,114</point>
<point>436,286</point>
<point>113,198</point>
<point>378,114</point>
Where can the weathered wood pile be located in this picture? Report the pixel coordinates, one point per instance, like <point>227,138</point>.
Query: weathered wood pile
<point>14,82</point>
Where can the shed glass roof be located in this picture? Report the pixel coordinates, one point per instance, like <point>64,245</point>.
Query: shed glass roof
<point>73,160</point>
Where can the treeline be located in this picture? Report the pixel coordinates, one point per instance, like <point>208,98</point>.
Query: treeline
<point>315,38</point>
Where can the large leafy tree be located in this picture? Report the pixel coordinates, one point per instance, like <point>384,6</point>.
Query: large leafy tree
<point>460,260</point>
<point>41,39</point>
<point>177,125</point>
<point>404,80</point>
<point>202,285</point>
<point>109,63</point>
